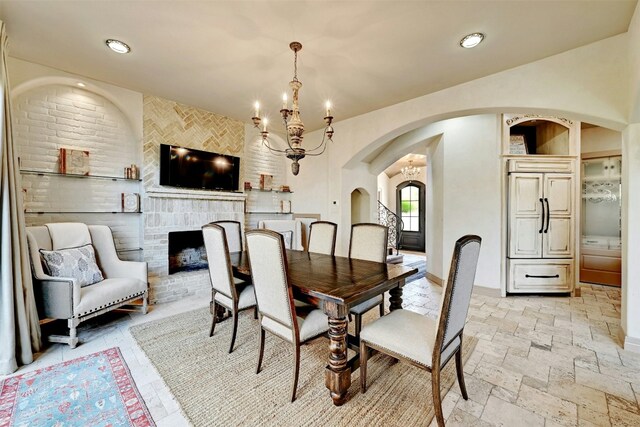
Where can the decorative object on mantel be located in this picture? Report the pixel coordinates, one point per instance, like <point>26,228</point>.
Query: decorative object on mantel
<point>285,189</point>
<point>517,145</point>
<point>74,161</point>
<point>410,172</point>
<point>285,206</point>
<point>293,123</point>
<point>266,182</point>
<point>130,202</point>
<point>247,185</point>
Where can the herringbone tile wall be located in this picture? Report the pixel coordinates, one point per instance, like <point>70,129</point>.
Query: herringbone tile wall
<point>168,122</point>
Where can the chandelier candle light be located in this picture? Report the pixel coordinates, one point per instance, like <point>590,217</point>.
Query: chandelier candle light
<point>293,123</point>
<point>410,172</point>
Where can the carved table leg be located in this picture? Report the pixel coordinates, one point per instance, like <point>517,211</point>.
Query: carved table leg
<point>395,298</point>
<point>337,373</point>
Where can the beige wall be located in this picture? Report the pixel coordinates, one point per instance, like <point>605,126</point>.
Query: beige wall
<point>630,320</point>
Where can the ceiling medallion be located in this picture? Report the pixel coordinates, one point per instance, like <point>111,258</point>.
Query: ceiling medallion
<point>293,123</point>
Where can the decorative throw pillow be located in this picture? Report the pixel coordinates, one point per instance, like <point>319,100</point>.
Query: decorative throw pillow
<point>288,238</point>
<point>77,263</point>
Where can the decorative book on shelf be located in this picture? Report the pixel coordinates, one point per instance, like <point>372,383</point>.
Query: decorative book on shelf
<point>285,206</point>
<point>74,161</point>
<point>266,182</point>
<point>130,202</point>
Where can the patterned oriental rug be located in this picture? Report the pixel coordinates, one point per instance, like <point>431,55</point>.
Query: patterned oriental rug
<point>215,388</point>
<point>94,390</point>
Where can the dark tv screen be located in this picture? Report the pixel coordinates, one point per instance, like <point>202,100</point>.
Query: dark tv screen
<point>188,168</point>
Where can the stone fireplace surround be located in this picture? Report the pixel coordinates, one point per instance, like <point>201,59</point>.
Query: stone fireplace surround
<point>181,210</point>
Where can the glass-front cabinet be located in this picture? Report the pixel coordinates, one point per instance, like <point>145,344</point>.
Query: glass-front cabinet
<point>601,221</point>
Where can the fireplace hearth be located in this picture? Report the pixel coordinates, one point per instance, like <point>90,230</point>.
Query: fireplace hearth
<point>186,251</point>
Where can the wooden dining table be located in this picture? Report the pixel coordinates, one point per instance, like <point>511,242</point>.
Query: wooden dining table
<point>336,284</point>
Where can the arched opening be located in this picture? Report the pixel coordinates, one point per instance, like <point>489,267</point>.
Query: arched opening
<point>411,208</point>
<point>360,206</point>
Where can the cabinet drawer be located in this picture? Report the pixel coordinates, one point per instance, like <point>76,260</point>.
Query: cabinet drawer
<point>525,165</point>
<point>541,275</point>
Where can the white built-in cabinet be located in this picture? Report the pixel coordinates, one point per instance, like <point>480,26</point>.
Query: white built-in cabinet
<point>541,216</point>
<point>541,192</point>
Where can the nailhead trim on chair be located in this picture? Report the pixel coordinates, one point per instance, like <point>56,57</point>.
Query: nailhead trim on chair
<point>111,303</point>
<point>395,353</point>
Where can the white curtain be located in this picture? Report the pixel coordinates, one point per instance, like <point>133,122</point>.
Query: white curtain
<point>19,327</point>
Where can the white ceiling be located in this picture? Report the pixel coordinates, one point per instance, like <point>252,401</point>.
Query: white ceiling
<point>417,160</point>
<point>363,55</point>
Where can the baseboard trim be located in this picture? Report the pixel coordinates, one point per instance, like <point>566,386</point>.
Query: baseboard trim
<point>435,279</point>
<point>478,290</point>
<point>629,343</point>
<point>488,292</point>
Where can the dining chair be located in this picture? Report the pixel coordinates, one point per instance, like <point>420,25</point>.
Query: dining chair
<point>322,237</point>
<point>227,291</point>
<point>233,230</point>
<point>278,314</point>
<point>368,242</point>
<point>424,342</point>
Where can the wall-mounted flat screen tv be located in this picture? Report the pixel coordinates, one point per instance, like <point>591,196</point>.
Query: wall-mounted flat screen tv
<point>203,170</point>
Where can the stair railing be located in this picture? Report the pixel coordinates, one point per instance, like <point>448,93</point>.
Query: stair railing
<point>393,222</point>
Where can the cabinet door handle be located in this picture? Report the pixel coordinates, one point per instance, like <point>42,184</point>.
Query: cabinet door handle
<point>542,277</point>
<point>542,223</point>
<point>548,214</point>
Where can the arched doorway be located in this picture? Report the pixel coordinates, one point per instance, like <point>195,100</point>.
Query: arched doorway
<point>360,206</point>
<point>410,206</point>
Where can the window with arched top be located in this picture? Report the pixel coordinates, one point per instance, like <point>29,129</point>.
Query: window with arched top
<point>410,207</point>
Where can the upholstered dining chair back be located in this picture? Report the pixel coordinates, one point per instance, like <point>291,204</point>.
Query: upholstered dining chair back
<point>233,231</point>
<point>368,242</point>
<point>457,292</point>
<point>322,237</point>
<point>215,243</point>
<point>269,275</point>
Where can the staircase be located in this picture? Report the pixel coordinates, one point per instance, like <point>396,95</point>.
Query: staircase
<point>395,225</point>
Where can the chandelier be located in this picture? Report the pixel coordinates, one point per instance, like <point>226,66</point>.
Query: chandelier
<point>410,172</point>
<point>293,123</point>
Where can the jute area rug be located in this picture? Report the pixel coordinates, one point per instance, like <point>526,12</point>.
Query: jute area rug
<point>215,388</point>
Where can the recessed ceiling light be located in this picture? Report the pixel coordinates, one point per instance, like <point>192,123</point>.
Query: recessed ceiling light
<point>118,46</point>
<point>471,40</point>
<point>80,84</point>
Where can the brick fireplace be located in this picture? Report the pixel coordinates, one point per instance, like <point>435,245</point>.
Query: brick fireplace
<point>166,212</point>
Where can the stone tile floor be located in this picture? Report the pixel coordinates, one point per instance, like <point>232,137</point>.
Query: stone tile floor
<point>539,361</point>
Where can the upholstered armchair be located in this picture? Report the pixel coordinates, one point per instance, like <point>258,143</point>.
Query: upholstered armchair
<point>65,297</point>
